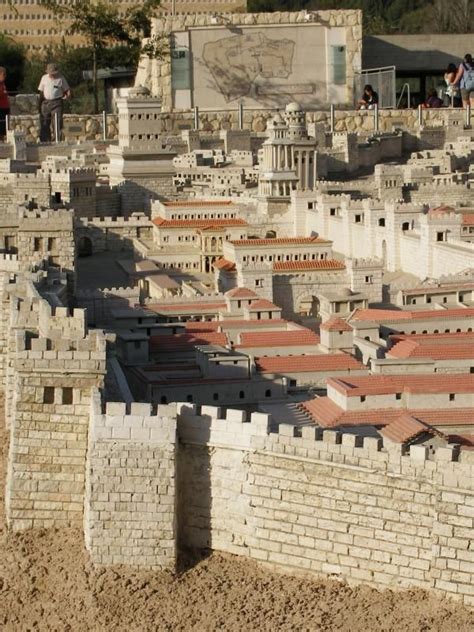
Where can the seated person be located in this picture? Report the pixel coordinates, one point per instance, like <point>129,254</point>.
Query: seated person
<point>369,99</point>
<point>433,100</point>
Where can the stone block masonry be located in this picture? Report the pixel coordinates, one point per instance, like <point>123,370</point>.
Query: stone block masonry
<point>52,369</point>
<point>328,503</point>
<point>324,503</point>
<point>130,494</point>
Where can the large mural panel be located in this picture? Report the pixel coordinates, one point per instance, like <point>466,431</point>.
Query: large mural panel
<point>259,66</point>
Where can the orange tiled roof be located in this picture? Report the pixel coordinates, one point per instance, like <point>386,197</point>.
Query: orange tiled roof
<point>319,264</point>
<point>198,223</point>
<point>198,203</point>
<point>329,415</point>
<point>224,264</point>
<point>414,349</point>
<point>336,323</point>
<point>387,384</point>
<point>307,363</point>
<point>194,326</point>
<point>405,428</point>
<point>379,315</point>
<point>279,241</point>
<point>468,219</point>
<point>297,338</point>
<point>241,292</point>
<point>262,303</point>
<point>182,342</point>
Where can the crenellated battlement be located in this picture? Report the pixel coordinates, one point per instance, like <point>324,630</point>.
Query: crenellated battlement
<point>45,214</point>
<point>106,292</point>
<point>364,263</point>
<point>137,219</point>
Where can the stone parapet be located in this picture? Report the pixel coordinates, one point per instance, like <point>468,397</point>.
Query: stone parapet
<point>130,495</point>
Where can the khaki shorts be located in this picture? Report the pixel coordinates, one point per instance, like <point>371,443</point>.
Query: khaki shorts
<point>466,94</point>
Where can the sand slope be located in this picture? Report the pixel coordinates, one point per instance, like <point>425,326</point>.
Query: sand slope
<point>48,583</point>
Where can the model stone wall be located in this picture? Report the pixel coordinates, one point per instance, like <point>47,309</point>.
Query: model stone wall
<point>81,128</point>
<point>324,502</point>
<point>130,492</point>
<point>328,503</point>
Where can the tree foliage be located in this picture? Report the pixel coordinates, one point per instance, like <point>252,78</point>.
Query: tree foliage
<point>13,58</point>
<point>390,16</point>
<point>102,25</point>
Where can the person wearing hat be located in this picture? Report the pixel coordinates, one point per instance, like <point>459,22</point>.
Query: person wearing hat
<point>53,89</point>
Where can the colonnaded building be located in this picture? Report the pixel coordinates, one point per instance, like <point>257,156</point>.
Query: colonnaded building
<point>253,334</point>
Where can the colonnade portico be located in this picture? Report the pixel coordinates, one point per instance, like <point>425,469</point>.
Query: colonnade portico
<point>289,158</point>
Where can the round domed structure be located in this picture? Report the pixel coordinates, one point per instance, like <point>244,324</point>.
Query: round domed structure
<point>276,120</point>
<point>293,107</point>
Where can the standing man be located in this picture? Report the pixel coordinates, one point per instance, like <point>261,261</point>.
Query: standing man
<point>53,89</point>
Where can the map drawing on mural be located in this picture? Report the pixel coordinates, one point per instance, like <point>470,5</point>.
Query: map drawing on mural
<point>236,62</point>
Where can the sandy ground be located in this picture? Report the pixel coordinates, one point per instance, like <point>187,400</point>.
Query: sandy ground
<point>48,583</point>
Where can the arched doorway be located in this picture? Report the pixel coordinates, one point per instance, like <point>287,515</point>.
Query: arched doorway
<point>84,247</point>
<point>271,234</point>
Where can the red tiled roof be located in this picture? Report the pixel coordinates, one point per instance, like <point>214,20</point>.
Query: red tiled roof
<point>405,428</point>
<point>336,323</point>
<point>198,203</point>
<point>414,349</point>
<point>241,292</point>
<point>329,415</point>
<point>224,264</point>
<point>297,338</point>
<point>194,326</point>
<point>379,315</point>
<point>307,363</point>
<point>183,342</point>
<point>466,440</point>
<point>198,223</point>
<point>262,303</point>
<point>319,264</point>
<point>468,219</point>
<point>279,241</point>
<point>387,384</point>
<point>186,307</point>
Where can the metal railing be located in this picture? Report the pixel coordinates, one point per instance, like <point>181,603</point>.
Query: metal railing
<point>402,93</point>
<point>382,81</point>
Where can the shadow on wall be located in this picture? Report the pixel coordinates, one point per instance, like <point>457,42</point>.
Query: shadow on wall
<point>377,53</point>
<point>194,500</point>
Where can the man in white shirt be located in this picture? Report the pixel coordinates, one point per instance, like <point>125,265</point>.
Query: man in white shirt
<point>53,89</point>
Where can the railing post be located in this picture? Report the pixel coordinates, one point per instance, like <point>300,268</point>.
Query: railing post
<point>241,115</point>
<point>332,118</point>
<point>468,115</point>
<point>7,122</point>
<point>420,116</point>
<point>196,117</point>
<point>104,125</point>
<point>376,117</point>
<point>57,130</point>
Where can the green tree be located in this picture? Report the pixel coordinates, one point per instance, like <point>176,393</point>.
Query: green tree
<point>12,57</point>
<point>101,25</point>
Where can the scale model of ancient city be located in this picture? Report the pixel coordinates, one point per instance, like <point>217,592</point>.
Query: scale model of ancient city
<point>238,319</point>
